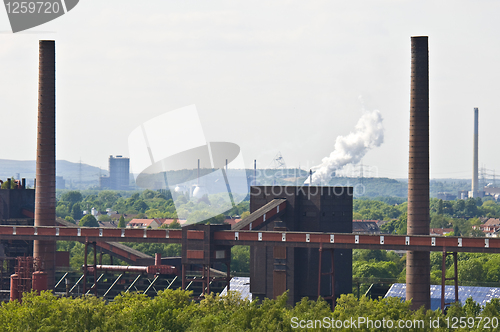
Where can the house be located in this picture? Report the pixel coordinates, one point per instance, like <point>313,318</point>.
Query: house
<point>490,228</point>
<point>231,221</point>
<point>144,223</point>
<point>365,227</point>
<point>168,221</point>
<point>440,231</point>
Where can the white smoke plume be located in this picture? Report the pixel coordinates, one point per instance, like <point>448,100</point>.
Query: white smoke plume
<point>369,133</point>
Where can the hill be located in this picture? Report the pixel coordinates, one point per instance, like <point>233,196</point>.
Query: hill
<point>71,172</point>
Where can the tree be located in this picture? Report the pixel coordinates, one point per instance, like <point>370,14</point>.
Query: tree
<point>104,217</point>
<point>88,221</point>
<point>76,211</point>
<point>12,184</point>
<point>140,206</point>
<point>62,210</point>
<point>70,219</point>
<point>108,198</point>
<point>121,222</point>
<point>72,197</point>
<point>240,259</point>
<point>174,225</point>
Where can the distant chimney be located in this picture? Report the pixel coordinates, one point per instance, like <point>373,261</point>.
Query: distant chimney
<point>475,181</point>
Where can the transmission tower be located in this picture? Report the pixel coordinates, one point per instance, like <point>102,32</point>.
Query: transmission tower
<point>278,162</point>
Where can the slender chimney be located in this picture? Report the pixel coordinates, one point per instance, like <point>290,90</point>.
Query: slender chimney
<point>45,193</point>
<point>418,262</point>
<point>255,172</point>
<point>475,181</point>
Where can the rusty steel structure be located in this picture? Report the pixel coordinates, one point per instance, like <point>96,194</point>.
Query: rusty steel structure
<point>45,190</point>
<point>222,239</point>
<point>418,262</point>
<point>302,239</point>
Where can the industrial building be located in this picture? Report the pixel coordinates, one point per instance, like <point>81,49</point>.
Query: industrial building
<point>119,174</point>
<point>274,270</point>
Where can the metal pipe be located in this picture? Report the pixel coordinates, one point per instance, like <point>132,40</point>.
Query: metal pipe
<point>151,283</point>
<point>133,283</point>
<point>119,268</point>
<point>45,193</point>
<point>418,262</point>
<point>114,283</point>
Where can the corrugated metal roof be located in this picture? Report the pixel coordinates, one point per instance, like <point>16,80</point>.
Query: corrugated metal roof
<point>481,295</point>
<point>240,284</point>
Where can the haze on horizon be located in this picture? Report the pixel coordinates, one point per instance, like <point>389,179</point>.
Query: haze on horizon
<point>267,75</point>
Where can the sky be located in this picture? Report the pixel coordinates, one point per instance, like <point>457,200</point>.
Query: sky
<point>270,76</point>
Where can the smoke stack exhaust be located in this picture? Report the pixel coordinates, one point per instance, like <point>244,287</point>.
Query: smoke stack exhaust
<point>418,262</point>
<point>45,192</point>
<point>475,177</point>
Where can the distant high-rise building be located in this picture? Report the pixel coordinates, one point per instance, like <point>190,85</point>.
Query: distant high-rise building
<point>60,182</point>
<point>119,174</point>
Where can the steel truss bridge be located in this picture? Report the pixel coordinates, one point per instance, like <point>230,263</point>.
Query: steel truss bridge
<point>258,238</point>
<point>322,241</point>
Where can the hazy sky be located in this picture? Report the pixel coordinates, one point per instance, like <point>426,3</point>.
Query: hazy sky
<point>270,76</point>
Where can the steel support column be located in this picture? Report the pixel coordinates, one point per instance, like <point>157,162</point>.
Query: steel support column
<point>85,254</point>
<point>94,246</point>
<point>443,278</point>
<point>330,273</point>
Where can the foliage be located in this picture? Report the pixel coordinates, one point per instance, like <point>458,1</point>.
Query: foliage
<point>71,197</point>
<point>173,310</point>
<point>5,184</point>
<point>88,221</point>
<point>376,210</point>
<point>240,259</point>
<point>69,219</point>
<point>121,222</point>
<point>76,211</point>
<point>166,250</point>
<point>103,218</point>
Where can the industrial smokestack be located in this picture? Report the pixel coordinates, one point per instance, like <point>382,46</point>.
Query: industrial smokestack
<point>418,262</point>
<point>475,181</point>
<point>45,192</point>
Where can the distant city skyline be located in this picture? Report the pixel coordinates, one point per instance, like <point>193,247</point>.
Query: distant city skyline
<point>267,75</point>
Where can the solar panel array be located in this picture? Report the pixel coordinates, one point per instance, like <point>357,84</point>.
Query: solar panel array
<point>240,284</point>
<point>481,295</point>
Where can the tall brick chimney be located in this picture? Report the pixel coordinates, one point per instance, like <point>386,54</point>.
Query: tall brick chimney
<point>45,190</point>
<point>418,262</point>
